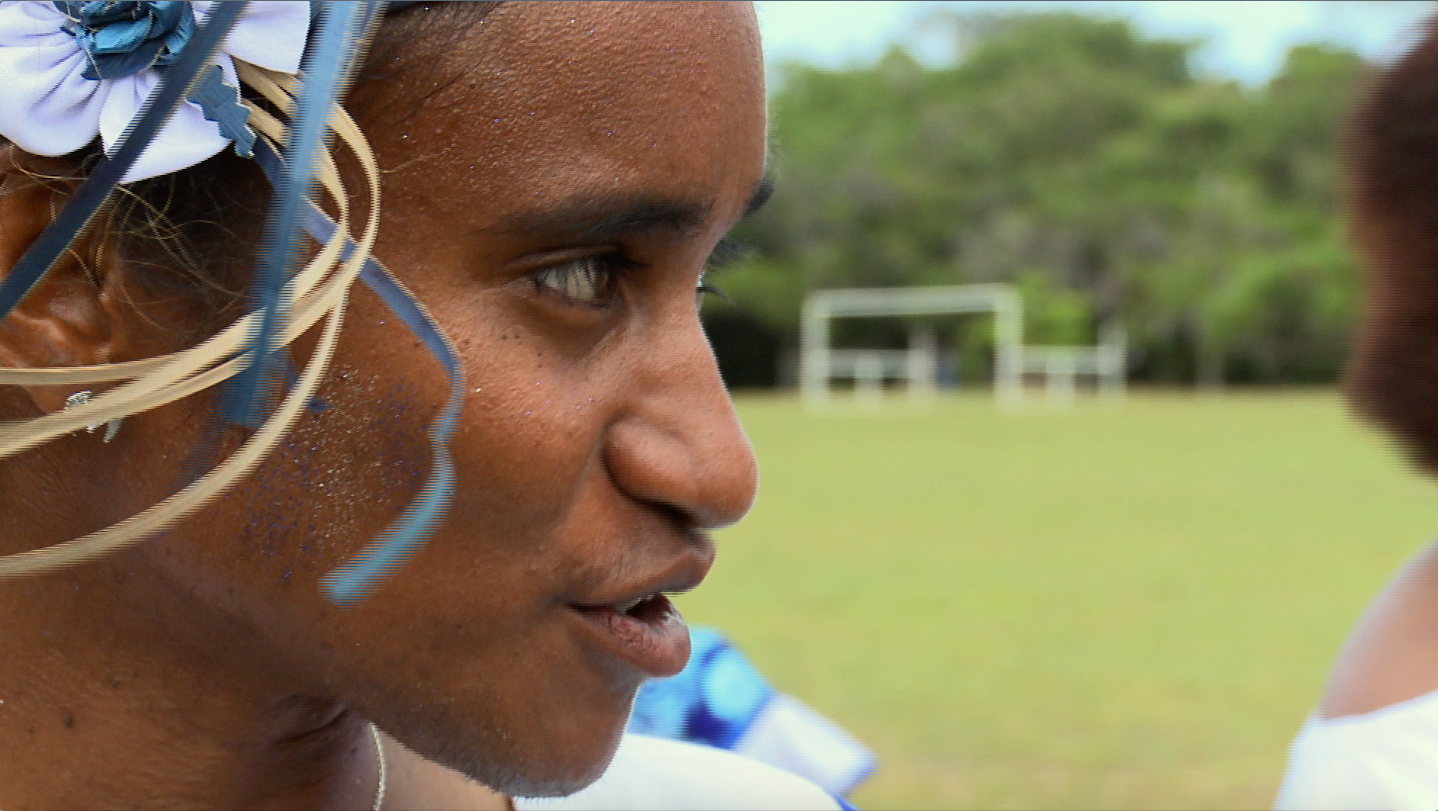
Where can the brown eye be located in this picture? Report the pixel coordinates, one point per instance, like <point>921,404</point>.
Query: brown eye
<point>584,281</point>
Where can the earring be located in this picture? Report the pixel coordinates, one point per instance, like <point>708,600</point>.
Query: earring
<point>82,397</point>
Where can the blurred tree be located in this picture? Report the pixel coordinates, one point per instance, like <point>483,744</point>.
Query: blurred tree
<point>1073,157</point>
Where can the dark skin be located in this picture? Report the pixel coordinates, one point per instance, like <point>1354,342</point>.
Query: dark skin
<point>558,237</point>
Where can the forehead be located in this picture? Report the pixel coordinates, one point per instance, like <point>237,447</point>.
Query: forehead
<point>564,97</point>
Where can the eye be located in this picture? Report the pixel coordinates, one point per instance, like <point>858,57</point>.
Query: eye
<point>582,281</point>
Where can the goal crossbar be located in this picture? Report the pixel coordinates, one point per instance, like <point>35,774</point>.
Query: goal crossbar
<point>817,359</point>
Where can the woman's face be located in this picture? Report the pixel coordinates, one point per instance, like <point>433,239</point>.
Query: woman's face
<point>559,175</point>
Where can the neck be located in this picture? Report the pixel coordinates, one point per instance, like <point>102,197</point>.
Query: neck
<point>116,694</point>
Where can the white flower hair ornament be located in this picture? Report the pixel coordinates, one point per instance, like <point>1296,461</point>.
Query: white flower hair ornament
<point>78,70</point>
<point>158,83</point>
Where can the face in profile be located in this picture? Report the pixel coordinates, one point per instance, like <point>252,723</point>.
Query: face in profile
<point>556,178</point>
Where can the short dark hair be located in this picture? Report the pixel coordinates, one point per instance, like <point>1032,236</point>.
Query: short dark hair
<point>1392,155</point>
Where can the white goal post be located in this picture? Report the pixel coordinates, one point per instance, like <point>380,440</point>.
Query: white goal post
<point>1060,365</point>
<point>819,363</point>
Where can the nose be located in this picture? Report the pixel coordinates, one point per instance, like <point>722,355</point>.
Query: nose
<point>678,442</point>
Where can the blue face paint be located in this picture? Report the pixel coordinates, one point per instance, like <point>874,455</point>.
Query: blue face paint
<point>357,578</point>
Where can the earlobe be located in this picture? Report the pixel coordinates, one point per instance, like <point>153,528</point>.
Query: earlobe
<point>66,320</point>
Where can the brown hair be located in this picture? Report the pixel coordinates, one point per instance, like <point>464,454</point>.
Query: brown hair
<point>1392,150</point>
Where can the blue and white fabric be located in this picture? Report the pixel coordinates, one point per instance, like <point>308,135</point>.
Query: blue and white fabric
<point>154,80</point>
<point>720,700</point>
<point>71,73</point>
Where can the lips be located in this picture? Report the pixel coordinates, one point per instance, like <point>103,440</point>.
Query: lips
<point>651,635</point>
<point>639,624</point>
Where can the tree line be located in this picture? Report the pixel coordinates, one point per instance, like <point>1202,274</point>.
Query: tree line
<point>1086,164</point>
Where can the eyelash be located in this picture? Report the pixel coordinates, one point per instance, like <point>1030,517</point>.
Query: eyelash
<point>707,288</point>
<point>726,254</point>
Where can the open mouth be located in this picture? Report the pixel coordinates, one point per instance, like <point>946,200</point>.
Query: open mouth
<point>645,607</point>
<point>647,632</point>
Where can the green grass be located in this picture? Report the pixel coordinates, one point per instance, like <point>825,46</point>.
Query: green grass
<point>1110,607</point>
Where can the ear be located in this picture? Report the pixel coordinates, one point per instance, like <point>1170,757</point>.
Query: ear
<point>66,320</point>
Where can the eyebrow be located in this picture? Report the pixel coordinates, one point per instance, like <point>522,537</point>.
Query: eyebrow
<point>600,219</point>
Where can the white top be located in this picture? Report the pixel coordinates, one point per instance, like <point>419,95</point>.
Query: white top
<point>788,734</point>
<point>654,774</point>
<point>1385,759</point>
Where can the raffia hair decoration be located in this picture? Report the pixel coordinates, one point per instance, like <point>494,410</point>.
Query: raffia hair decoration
<point>287,305</point>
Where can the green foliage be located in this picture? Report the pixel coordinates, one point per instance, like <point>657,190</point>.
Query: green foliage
<point>1053,315</point>
<point>1069,155</point>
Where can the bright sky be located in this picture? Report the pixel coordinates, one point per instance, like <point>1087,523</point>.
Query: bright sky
<point>1246,38</point>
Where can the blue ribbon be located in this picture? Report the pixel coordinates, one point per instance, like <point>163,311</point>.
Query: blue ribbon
<point>251,392</point>
<point>220,103</point>
<point>358,577</point>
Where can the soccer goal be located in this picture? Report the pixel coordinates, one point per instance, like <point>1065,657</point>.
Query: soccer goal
<point>1059,366</point>
<point>917,366</point>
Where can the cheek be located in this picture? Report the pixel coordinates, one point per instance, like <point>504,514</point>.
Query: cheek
<point>525,451</point>
<point>343,473</point>
<point>526,446</point>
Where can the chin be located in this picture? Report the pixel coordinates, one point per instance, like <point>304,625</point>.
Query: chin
<point>546,757</point>
<point>547,778</point>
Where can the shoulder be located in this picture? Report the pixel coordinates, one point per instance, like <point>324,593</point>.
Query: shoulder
<point>654,773</point>
<point>1373,742</point>
<point>1389,657</point>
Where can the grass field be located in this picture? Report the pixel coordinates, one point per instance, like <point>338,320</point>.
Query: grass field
<point>1110,607</point>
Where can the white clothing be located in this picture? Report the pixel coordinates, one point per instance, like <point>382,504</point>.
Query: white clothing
<point>654,774</point>
<point>788,734</point>
<point>1385,759</point>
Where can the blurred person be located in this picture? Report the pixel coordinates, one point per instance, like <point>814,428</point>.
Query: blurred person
<point>555,176</point>
<point>1373,740</point>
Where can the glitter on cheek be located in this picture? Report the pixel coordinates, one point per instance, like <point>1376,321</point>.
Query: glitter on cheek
<point>342,475</point>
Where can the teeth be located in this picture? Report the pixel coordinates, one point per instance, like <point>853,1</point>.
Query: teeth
<point>625,608</point>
